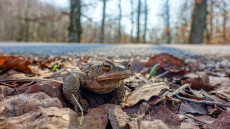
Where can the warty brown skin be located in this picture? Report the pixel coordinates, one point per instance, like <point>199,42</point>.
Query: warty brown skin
<point>96,77</point>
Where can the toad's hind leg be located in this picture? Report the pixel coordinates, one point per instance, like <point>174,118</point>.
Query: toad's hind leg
<point>71,87</point>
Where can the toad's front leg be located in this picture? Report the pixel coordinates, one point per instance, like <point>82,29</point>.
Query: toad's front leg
<point>71,87</point>
<point>116,95</point>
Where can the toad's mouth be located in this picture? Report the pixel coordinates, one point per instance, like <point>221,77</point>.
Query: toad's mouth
<point>120,77</point>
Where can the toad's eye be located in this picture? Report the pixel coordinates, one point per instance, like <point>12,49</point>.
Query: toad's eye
<point>106,66</point>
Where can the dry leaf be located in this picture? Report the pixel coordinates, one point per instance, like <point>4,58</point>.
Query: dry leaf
<point>164,114</point>
<point>51,88</point>
<point>2,102</point>
<point>132,111</point>
<point>156,124</point>
<point>144,107</point>
<point>16,63</point>
<point>224,90</point>
<point>43,118</point>
<point>23,103</point>
<point>205,119</point>
<point>168,62</point>
<point>145,93</point>
<point>222,122</point>
<point>120,120</point>
<point>200,83</point>
<point>214,110</point>
<point>187,107</point>
<point>188,126</point>
<point>97,118</point>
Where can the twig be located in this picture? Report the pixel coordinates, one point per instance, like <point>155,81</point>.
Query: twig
<point>196,119</point>
<point>5,84</point>
<point>29,80</point>
<point>12,86</point>
<point>202,101</point>
<point>190,96</point>
<point>168,95</point>
<point>16,90</point>
<point>179,89</point>
<point>163,74</point>
<point>78,104</point>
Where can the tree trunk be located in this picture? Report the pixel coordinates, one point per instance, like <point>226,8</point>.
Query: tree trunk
<point>132,21</point>
<point>75,29</point>
<point>168,22</point>
<point>209,32</point>
<point>146,21</point>
<point>119,26</point>
<point>138,21</point>
<point>225,18</point>
<point>198,22</point>
<point>27,25</point>
<point>102,37</point>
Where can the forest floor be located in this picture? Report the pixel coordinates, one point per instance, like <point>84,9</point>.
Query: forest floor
<point>188,92</point>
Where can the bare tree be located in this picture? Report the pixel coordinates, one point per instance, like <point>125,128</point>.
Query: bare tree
<point>102,36</point>
<point>75,29</point>
<point>119,26</point>
<point>138,21</point>
<point>225,18</point>
<point>198,22</point>
<point>166,17</point>
<point>27,25</point>
<point>183,23</point>
<point>209,30</point>
<point>168,22</point>
<point>132,21</point>
<point>30,20</point>
<point>146,21</point>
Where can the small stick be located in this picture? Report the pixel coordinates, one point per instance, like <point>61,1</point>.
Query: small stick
<point>16,90</point>
<point>178,90</point>
<point>31,82</point>
<point>5,84</point>
<point>203,101</point>
<point>172,94</point>
<point>12,86</point>
<point>78,104</point>
<point>196,119</point>
<point>163,74</point>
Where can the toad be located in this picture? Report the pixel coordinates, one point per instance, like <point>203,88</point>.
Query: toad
<point>100,77</point>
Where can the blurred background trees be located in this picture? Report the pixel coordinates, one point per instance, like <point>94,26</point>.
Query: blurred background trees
<point>198,21</point>
<point>29,20</point>
<point>116,21</point>
<point>75,29</point>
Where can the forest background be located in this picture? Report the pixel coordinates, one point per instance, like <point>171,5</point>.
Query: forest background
<point>116,21</point>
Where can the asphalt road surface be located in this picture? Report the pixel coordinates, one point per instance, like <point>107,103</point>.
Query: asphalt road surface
<point>112,49</point>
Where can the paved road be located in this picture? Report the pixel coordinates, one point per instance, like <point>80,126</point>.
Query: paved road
<point>112,49</point>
